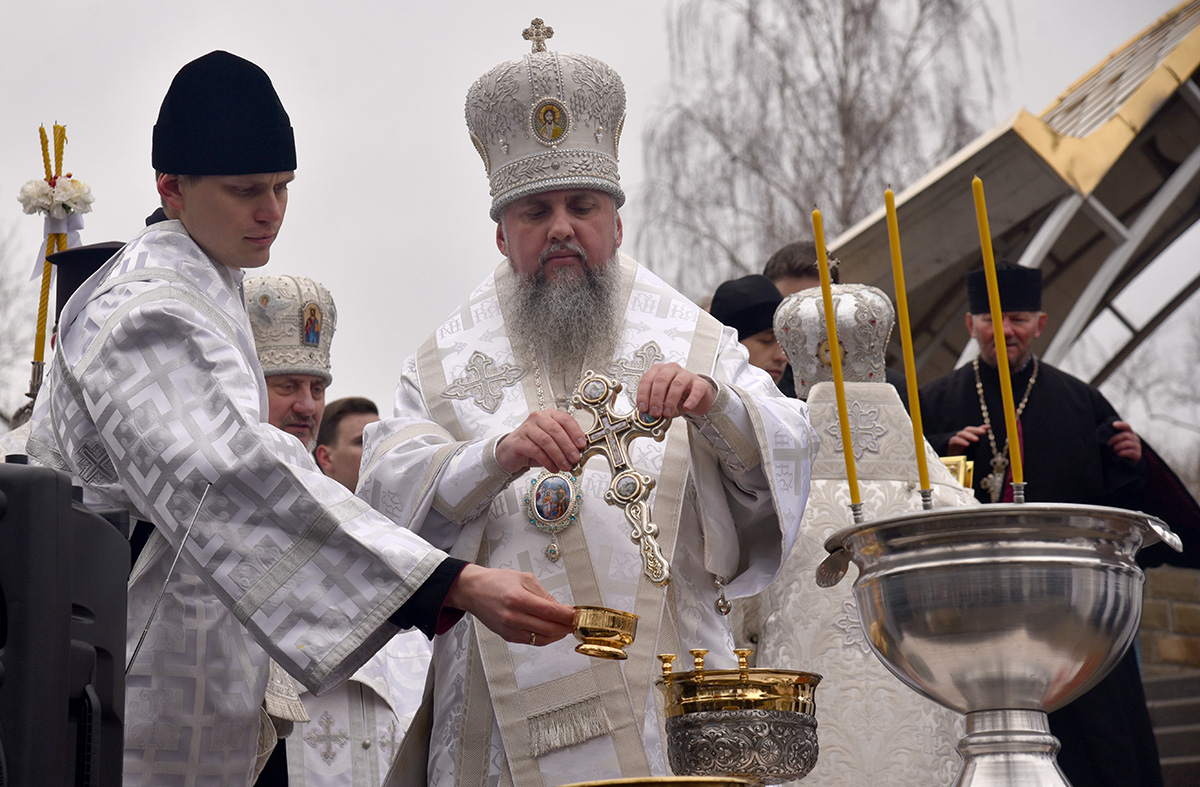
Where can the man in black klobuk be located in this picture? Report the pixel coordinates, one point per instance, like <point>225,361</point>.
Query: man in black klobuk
<point>1075,450</point>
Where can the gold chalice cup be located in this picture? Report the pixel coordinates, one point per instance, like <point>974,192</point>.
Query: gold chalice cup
<point>604,633</point>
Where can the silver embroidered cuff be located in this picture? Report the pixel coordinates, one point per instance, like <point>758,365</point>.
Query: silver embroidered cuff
<point>718,426</point>
<point>494,481</point>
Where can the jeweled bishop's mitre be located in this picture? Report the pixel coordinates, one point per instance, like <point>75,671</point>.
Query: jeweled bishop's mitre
<point>548,121</point>
<point>293,318</point>
<point>864,317</point>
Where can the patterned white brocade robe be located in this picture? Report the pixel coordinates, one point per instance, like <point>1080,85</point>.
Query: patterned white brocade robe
<point>730,491</point>
<point>13,442</point>
<point>154,391</point>
<point>872,729</point>
<point>355,730</point>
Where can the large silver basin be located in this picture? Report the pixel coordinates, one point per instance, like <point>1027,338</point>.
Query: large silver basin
<point>1000,610</point>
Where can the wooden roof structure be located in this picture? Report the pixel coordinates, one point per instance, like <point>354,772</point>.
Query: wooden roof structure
<point>1092,191</point>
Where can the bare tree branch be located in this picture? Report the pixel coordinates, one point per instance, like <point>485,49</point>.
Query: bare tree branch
<point>1155,387</point>
<point>779,105</point>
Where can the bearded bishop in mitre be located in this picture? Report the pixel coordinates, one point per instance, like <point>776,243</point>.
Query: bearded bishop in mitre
<point>565,321</point>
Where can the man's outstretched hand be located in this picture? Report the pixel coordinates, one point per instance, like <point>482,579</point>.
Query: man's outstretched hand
<point>511,603</point>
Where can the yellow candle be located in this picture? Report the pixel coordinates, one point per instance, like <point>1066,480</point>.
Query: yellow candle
<point>835,356</point>
<point>55,241</point>
<point>45,152</point>
<point>39,341</point>
<point>60,139</point>
<point>910,364</point>
<point>989,271</point>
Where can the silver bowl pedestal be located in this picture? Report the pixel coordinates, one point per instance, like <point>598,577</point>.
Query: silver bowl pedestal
<point>1002,612</point>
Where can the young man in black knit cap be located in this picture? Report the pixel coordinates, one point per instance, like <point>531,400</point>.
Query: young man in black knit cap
<point>748,306</point>
<point>155,401</point>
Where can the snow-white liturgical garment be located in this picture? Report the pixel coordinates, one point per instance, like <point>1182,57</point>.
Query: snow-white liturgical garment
<point>730,490</point>
<point>155,392</point>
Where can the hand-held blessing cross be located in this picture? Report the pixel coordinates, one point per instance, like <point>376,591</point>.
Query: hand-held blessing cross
<point>610,437</point>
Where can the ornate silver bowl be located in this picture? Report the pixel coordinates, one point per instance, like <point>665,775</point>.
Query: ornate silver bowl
<point>1002,612</point>
<point>747,722</point>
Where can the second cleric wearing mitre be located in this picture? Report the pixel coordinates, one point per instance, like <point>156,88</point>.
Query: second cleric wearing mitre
<point>484,409</point>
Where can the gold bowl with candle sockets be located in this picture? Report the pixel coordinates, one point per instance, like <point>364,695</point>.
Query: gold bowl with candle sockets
<point>604,633</point>
<point>672,781</point>
<point>747,722</point>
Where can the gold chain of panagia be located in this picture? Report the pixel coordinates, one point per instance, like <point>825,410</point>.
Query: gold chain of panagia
<point>553,551</point>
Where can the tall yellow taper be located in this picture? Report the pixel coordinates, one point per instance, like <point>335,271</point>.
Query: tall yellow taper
<point>835,356</point>
<point>989,272</point>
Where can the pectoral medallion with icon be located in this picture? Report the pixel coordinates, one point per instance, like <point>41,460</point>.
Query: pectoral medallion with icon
<point>552,504</point>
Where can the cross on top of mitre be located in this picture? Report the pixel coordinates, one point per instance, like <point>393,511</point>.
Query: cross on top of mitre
<point>538,33</point>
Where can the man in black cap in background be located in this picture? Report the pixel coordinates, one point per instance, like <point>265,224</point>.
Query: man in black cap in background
<point>748,306</point>
<point>155,402</point>
<point>1075,450</point>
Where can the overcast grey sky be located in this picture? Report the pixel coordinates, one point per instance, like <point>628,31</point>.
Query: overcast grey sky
<point>389,208</point>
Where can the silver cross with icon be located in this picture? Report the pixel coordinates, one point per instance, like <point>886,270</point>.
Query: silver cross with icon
<point>610,438</point>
